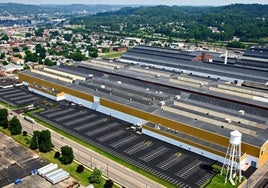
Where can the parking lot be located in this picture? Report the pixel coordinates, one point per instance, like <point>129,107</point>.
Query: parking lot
<point>18,96</point>
<point>175,165</point>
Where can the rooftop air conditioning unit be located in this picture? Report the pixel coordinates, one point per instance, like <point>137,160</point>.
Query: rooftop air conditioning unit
<point>177,97</point>
<point>162,103</point>
<point>228,120</point>
<point>156,127</point>
<point>242,112</point>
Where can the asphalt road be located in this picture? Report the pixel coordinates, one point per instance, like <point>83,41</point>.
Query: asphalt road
<point>111,169</point>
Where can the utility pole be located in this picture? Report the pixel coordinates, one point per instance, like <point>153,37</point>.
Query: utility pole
<point>37,142</point>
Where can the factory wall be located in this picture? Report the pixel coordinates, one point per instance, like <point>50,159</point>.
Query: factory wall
<point>120,115</point>
<point>43,94</point>
<point>184,128</point>
<point>183,145</point>
<point>78,100</point>
<point>196,147</point>
<point>263,154</point>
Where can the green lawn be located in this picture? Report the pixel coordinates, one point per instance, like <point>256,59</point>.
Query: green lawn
<point>219,180</point>
<point>82,178</point>
<point>111,55</point>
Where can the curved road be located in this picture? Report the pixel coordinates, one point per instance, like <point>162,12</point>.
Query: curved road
<point>91,159</point>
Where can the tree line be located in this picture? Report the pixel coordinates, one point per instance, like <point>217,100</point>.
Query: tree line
<point>247,22</point>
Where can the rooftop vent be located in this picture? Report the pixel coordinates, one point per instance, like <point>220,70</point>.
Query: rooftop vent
<point>156,127</point>
<point>242,112</point>
<point>228,120</point>
<point>162,103</point>
<point>177,97</point>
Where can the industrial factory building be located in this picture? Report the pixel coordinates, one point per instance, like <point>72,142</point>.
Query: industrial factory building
<point>190,99</point>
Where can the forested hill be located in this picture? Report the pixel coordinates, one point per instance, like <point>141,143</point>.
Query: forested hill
<point>21,10</point>
<point>246,21</point>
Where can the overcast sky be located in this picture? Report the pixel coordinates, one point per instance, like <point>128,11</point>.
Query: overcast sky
<point>139,2</point>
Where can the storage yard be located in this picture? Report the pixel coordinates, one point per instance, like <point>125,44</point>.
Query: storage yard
<point>16,161</point>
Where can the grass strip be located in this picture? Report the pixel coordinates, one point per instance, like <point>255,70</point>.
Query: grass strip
<point>219,180</point>
<point>82,178</point>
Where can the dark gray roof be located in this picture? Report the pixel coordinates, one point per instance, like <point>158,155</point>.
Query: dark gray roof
<point>257,52</point>
<point>170,58</point>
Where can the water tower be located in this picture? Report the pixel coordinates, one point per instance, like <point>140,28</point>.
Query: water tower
<point>232,158</point>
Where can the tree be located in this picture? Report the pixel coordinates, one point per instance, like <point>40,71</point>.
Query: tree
<point>34,142</point>
<point>39,32</point>
<point>80,168</point>
<point>94,55</point>
<point>15,126</point>
<point>16,49</point>
<point>33,57</point>
<point>67,155</point>
<point>45,144</point>
<point>49,62</point>
<point>28,35</point>
<point>17,55</point>
<point>78,56</point>
<point>92,51</point>
<point>25,48</point>
<point>3,118</point>
<point>40,50</point>
<point>5,63</point>
<point>67,37</point>
<point>3,114</point>
<point>42,141</point>
<point>26,67</point>
<point>2,56</point>
<point>24,133</point>
<point>95,176</point>
<point>54,33</point>
<point>5,37</point>
<point>57,155</point>
<point>236,44</point>
<point>108,184</point>
<point>4,123</point>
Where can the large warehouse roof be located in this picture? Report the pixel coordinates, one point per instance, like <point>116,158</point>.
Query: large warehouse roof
<point>199,102</point>
<point>184,61</point>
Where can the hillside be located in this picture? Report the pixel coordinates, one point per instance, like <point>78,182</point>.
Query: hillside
<point>16,9</point>
<point>248,22</point>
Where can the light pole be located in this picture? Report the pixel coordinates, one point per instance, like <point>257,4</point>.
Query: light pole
<point>37,144</point>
